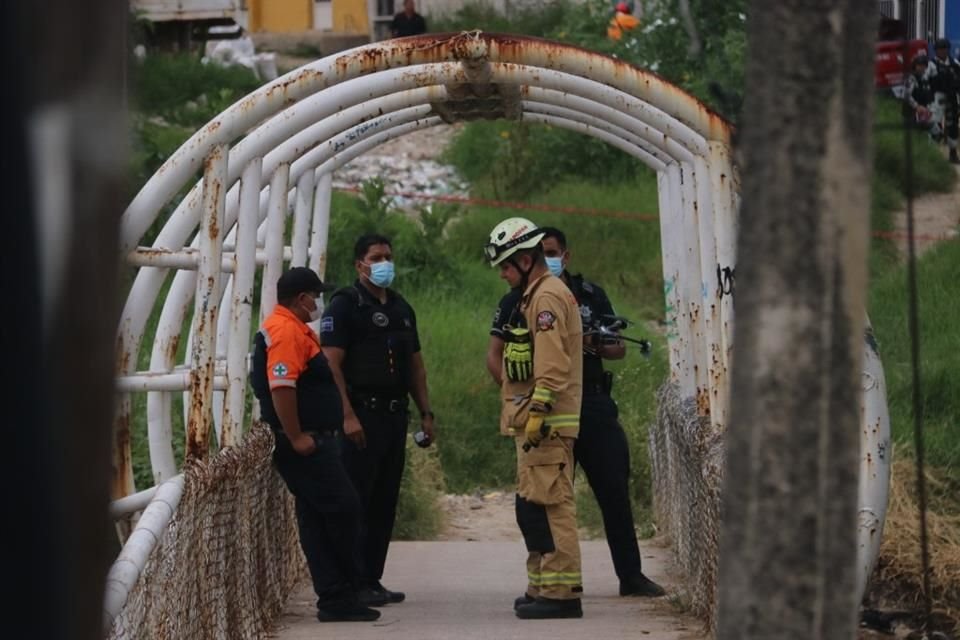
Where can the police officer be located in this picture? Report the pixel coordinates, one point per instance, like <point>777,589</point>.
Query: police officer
<point>601,448</point>
<point>946,82</point>
<point>540,398</point>
<point>299,400</point>
<point>918,95</point>
<point>370,338</point>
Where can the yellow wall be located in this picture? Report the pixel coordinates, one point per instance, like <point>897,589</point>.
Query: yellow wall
<point>350,16</point>
<point>278,16</point>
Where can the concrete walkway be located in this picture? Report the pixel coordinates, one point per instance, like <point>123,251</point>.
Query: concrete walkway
<point>465,590</point>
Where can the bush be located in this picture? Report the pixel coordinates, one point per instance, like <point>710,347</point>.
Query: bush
<point>185,91</point>
<point>418,246</point>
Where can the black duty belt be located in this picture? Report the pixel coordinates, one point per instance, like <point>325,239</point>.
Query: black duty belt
<point>330,433</point>
<point>380,403</point>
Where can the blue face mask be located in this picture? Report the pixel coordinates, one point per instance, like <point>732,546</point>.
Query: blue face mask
<point>555,265</point>
<point>381,274</point>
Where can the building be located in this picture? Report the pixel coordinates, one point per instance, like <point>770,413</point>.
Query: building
<point>926,19</point>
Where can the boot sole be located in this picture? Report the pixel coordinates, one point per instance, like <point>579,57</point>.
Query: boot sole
<point>347,618</point>
<point>537,616</point>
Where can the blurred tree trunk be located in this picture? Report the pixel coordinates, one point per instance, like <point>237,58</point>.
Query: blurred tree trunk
<point>788,544</point>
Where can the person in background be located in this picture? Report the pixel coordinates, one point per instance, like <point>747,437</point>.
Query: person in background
<point>946,83</point>
<point>408,22</point>
<point>622,21</point>
<point>918,95</point>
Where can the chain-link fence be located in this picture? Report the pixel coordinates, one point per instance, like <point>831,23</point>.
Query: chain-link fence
<point>229,558</point>
<point>687,464</point>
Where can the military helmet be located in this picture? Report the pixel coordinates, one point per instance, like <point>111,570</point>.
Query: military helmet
<point>510,236</point>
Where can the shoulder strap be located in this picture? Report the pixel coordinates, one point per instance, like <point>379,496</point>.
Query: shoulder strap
<point>351,293</point>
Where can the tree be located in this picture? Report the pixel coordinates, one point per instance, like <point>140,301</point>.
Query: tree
<point>788,544</point>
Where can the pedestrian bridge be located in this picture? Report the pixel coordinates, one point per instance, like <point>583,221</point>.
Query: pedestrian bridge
<point>210,548</point>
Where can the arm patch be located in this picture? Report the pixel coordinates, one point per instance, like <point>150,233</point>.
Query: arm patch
<point>545,320</point>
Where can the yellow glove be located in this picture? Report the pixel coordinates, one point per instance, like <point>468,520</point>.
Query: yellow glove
<point>535,431</point>
<point>517,355</point>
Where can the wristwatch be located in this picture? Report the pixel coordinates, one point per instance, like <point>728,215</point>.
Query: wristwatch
<point>424,414</point>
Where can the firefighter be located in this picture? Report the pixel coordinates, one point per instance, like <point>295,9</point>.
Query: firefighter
<point>601,448</point>
<point>946,82</point>
<point>540,397</point>
<point>370,338</point>
<point>299,400</point>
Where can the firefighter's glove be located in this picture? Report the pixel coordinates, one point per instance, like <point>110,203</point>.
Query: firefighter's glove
<point>536,430</point>
<point>517,355</point>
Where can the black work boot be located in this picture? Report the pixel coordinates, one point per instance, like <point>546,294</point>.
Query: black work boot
<point>522,600</point>
<point>544,608</point>
<point>391,596</point>
<point>346,612</point>
<point>641,585</point>
<point>372,597</point>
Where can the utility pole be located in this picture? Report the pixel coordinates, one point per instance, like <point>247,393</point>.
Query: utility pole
<point>788,543</point>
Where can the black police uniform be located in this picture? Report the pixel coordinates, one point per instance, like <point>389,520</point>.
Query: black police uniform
<point>379,341</point>
<point>327,505</point>
<point>947,82</point>
<point>403,25</point>
<point>601,448</point>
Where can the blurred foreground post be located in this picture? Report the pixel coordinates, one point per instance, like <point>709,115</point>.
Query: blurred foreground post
<point>788,544</point>
<point>64,157</point>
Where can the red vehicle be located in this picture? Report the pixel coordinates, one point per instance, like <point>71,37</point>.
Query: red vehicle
<point>889,64</point>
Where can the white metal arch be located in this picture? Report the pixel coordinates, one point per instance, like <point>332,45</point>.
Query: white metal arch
<point>333,102</point>
<point>323,160</point>
<point>285,140</point>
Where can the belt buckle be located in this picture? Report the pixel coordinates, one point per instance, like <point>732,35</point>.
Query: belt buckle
<point>393,406</point>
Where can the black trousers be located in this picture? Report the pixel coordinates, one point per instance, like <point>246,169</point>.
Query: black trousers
<point>328,517</point>
<point>602,452</point>
<point>951,116</point>
<point>376,472</point>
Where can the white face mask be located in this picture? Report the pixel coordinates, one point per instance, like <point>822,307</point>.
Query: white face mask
<point>317,310</point>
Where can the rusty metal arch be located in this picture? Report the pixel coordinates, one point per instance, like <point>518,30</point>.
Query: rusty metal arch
<point>494,75</point>
<point>283,141</point>
<point>280,145</point>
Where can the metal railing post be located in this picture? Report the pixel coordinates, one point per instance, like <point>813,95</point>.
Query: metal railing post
<point>207,302</point>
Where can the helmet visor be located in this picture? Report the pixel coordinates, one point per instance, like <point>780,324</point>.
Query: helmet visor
<point>495,251</point>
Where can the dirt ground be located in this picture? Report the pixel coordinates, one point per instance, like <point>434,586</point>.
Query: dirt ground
<point>936,218</point>
<point>479,517</point>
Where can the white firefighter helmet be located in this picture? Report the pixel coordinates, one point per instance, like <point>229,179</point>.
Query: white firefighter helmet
<point>510,236</point>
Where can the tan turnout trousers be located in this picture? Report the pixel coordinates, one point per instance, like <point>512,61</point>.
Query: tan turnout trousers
<point>547,514</point>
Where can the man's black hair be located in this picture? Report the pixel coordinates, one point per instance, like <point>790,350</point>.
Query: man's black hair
<point>553,232</point>
<point>366,241</point>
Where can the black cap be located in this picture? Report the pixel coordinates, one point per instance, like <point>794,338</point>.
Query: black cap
<point>300,280</point>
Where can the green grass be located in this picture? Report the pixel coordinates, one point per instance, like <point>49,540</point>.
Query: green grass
<point>938,287</point>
